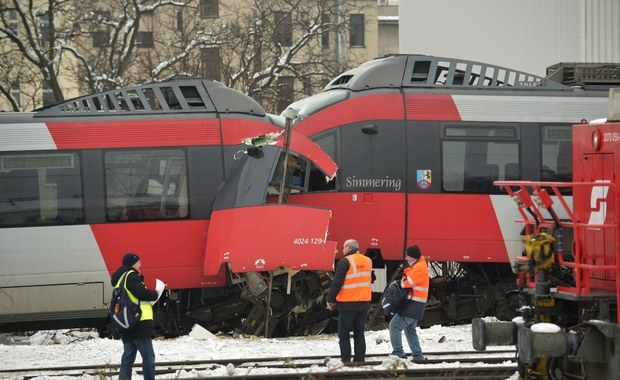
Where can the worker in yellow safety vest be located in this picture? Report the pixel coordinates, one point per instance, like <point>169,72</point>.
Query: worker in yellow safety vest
<point>139,338</point>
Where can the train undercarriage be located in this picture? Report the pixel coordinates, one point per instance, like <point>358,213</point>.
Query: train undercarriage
<point>298,308</point>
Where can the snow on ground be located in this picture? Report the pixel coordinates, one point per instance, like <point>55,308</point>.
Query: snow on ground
<point>56,348</point>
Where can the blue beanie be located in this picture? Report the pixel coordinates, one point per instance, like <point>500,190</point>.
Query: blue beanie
<point>130,259</point>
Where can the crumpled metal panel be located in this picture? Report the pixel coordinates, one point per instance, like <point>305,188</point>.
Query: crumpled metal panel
<point>265,237</point>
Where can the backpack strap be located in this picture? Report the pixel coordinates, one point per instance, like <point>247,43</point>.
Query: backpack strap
<point>124,280</point>
<point>123,276</point>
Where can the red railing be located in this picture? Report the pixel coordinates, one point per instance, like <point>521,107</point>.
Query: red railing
<point>532,198</point>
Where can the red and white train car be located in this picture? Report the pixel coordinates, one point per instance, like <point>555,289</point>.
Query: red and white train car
<point>177,172</point>
<point>419,141</point>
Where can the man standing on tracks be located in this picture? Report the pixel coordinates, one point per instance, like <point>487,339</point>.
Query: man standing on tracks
<point>416,278</point>
<point>351,293</point>
<point>139,338</point>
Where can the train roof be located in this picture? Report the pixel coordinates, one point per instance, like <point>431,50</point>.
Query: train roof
<point>423,71</point>
<point>188,95</point>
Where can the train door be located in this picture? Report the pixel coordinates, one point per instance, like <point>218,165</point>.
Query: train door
<point>599,242</point>
<point>424,225</point>
<point>372,183</point>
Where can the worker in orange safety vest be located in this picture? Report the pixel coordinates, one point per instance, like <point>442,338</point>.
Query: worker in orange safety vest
<point>351,293</point>
<point>415,277</point>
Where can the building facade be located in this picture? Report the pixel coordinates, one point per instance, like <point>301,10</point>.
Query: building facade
<point>527,35</point>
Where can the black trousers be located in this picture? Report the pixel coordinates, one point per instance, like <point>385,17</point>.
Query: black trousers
<point>352,321</point>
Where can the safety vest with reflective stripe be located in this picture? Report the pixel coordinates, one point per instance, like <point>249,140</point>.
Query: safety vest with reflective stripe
<point>357,286</point>
<point>416,277</point>
<point>145,307</point>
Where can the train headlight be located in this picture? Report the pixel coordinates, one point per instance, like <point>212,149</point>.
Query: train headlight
<point>596,140</point>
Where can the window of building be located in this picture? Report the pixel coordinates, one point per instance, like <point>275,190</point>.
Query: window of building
<point>40,189</point>
<point>102,14</point>
<point>475,156</point>
<point>16,93</point>
<point>146,184</point>
<point>325,31</point>
<point>100,38</point>
<point>209,8</point>
<point>257,59</point>
<point>211,63</point>
<point>44,29</point>
<point>307,89</point>
<point>180,26</point>
<point>283,31</point>
<point>48,94</point>
<point>285,92</point>
<point>356,29</point>
<point>13,22</point>
<point>144,39</point>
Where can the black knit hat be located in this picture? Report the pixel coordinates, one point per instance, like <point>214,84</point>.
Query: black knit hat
<point>413,251</point>
<point>130,259</point>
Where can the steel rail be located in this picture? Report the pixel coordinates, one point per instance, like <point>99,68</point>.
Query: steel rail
<point>315,363</point>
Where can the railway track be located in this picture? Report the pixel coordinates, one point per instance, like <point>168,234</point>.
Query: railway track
<point>498,364</point>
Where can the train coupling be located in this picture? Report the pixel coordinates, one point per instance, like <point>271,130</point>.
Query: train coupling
<point>540,340</point>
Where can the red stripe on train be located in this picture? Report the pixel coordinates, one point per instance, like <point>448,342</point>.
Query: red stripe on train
<point>371,107</point>
<point>235,130</point>
<point>142,133</point>
<point>431,107</point>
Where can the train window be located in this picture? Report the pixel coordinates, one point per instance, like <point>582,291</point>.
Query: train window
<point>296,175</point>
<point>40,189</point>
<point>557,153</point>
<point>318,180</point>
<point>480,132</point>
<point>473,157</point>
<point>146,184</point>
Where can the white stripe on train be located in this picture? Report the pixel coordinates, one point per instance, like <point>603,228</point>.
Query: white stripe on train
<point>26,136</point>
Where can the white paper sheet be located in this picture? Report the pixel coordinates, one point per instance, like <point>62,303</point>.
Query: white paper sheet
<point>159,288</point>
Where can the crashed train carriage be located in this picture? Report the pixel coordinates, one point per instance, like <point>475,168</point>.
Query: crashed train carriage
<point>174,172</point>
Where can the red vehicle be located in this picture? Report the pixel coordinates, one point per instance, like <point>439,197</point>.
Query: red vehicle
<point>568,324</point>
<point>419,141</point>
<point>177,172</point>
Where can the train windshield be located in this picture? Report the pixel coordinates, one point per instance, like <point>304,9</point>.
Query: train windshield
<point>307,107</point>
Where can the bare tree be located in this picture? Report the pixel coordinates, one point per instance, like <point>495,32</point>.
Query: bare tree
<point>38,34</point>
<point>117,32</point>
<point>13,78</point>
<point>272,50</point>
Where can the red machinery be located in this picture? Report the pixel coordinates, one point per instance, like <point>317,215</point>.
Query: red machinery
<point>568,328</point>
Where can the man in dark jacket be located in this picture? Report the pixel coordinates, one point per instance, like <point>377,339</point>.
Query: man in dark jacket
<point>416,280</point>
<point>351,292</point>
<point>141,337</point>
